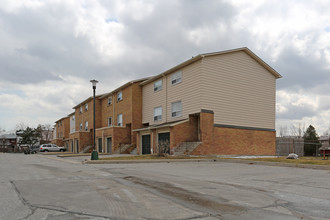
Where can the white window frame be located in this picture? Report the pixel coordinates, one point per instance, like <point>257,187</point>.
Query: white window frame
<point>176,109</point>
<point>86,125</point>
<point>158,87</point>
<point>120,120</point>
<point>86,107</point>
<point>73,117</point>
<point>176,77</point>
<point>80,109</point>
<point>110,100</point>
<point>157,116</point>
<point>119,96</point>
<point>80,127</point>
<point>109,121</point>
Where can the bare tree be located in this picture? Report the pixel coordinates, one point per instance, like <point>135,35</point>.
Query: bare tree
<point>47,132</point>
<point>297,130</point>
<point>283,131</point>
<point>20,126</point>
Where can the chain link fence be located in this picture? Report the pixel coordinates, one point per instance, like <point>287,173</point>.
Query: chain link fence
<point>286,146</point>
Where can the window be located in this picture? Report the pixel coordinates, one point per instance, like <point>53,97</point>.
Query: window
<point>86,107</point>
<point>158,113</point>
<point>119,96</point>
<point>72,117</point>
<point>176,77</point>
<point>80,127</point>
<point>80,109</point>
<point>109,100</point>
<point>158,85</point>
<point>120,120</point>
<point>109,121</point>
<point>86,126</point>
<point>176,109</point>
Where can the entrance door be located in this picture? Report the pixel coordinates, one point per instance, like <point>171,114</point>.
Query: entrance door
<point>77,146</point>
<point>146,144</point>
<point>164,142</point>
<point>100,144</point>
<point>109,145</point>
<point>72,147</point>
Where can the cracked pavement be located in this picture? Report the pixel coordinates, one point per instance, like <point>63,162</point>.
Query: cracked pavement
<point>46,187</point>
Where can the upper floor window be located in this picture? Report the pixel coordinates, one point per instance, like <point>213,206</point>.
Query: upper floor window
<point>86,126</point>
<point>158,85</point>
<point>73,117</point>
<point>158,113</point>
<point>86,107</point>
<point>176,77</point>
<point>120,120</point>
<point>109,121</point>
<point>80,127</point>
<point>80,109</point>
<point>176,109</point>
<point>109,100</point>
<point>119,96</point>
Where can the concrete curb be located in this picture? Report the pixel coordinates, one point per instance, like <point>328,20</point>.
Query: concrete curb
<point>249,162</point>
<point>146,161</point>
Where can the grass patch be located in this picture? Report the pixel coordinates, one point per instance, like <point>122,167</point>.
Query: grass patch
<point>151,157</point>
<point>301,160</point>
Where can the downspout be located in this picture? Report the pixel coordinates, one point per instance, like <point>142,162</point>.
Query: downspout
<point>113,110</point>
<point>200,101</point>
<point>165,97</point>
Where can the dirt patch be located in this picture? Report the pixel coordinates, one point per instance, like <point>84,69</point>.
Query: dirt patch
<point>190,199</point>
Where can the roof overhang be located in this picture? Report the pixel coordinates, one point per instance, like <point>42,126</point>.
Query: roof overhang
<point>164,125</point>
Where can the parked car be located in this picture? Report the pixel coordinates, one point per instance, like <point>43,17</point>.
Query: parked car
<point>51,148</point>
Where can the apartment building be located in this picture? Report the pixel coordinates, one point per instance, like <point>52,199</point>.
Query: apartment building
<point>61,131</point>
<point>215,103</point>
<point>121,113</point>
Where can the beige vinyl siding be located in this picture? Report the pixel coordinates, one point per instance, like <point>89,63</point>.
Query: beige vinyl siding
<point>150,100</point>
<point>239,90</point>
<point>187,91</point>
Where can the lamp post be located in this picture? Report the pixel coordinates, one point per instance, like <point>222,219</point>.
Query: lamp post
<point>95,155</point>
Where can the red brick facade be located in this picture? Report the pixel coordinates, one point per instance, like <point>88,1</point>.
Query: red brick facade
<point>215,139</point>
<point>62,129</point>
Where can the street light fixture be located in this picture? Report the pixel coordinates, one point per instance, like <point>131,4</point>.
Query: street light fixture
<point>95,155</point>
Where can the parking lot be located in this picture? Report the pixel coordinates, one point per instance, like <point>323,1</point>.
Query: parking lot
<point>48,187</point>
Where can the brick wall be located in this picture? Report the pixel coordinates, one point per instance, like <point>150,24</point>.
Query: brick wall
<point>85,139</point>
<point>88,115</point>
<point>233,141</point>
<point>184,132</point>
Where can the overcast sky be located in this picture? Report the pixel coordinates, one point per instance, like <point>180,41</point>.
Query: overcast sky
<point>50,50</point>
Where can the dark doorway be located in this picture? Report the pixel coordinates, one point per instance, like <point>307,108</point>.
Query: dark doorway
<point>164,142</point>
<point>109,145</point>
<point>146,144</point>
<point>100,144</point>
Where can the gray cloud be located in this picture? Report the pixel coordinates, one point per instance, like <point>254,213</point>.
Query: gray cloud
<point>61,46</point>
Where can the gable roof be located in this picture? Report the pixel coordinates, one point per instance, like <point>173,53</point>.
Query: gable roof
<point>201,56</point>
<point>87,100</point>
<point>124,86</point>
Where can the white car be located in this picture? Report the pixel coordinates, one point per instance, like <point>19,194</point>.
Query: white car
<point>51,148</point>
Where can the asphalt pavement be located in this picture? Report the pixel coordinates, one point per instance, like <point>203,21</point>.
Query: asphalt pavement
<point>48,187</point>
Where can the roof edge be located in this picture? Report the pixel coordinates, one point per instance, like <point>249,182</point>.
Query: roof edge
<point>200,56</point>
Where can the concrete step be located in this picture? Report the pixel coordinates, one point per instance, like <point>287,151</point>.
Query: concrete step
<point>185,148</point>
